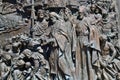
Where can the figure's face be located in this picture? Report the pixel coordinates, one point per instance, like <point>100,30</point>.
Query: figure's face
<point>52,18</point>
<point>41,14</point>
<point>97,11</point>
<point>104,42</point>
<point>67,11</point>
<point>28,55</point>
<point>66,17</point>
<point>93,7</point>
<point>27,65</point>
<point>81,15</point>
<point>4,60</point>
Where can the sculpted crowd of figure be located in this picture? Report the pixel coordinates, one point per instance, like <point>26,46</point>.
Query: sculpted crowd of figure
<point>68,44</point>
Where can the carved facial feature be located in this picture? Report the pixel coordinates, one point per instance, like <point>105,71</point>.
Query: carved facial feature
<point>93,7</point>
<point>52,18</point>
<point>81,15</point>
<point>40,14</point>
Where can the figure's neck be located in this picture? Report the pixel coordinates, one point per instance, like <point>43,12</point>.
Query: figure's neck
<point>40,19</point>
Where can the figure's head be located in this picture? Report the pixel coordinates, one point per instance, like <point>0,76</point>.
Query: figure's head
<point>40,14</point>
<point>7,48</point>
<point>82,11</point>
<point>53,16</point>
<point>103,39</point>
<point>6,57</point>
<point>16,47</point>
<point>67,11</point>
<point>27,64</point>
<point>66,17</point>
<point>97,10</point>
<point>40,50</point>
<point>93,7</point>
<point>13,38</point>
<point>20,63</point>
<point>27,53</point>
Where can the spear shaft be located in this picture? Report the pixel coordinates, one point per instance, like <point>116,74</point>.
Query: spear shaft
<point>32,18</point>
<point>32,14</point>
